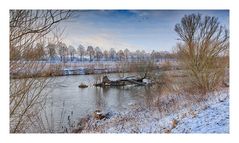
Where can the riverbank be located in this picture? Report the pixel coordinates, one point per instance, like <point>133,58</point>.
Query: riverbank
<point>208,116</point>
<point>47,69</point>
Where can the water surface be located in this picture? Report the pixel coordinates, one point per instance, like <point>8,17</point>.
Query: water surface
<point>67,100</point>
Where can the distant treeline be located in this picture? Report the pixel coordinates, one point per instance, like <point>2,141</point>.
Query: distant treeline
<point>62,53</point>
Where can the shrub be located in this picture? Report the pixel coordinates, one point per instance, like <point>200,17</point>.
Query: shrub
<point>202,52</point>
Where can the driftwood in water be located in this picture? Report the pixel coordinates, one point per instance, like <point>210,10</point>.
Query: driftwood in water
<point>82,85</point>
<point>98,115</point>
<point>121,82</point>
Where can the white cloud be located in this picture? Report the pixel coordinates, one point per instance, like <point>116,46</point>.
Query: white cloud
<point>103,40</point>
<point>81,33</point>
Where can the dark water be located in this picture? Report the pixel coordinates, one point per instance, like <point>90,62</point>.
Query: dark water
<point>67,100</point>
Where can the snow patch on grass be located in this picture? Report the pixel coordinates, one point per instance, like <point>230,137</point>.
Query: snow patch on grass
<point>210,116</point>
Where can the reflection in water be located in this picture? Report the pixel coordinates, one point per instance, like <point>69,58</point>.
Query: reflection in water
<point>148,96</point>
<point>99,98</point>
<point>85,101</point>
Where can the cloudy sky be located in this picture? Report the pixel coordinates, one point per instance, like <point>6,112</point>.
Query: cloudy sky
<point>133,29</point>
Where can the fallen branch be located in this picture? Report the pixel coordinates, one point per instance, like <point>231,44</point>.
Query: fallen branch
<point>121,82</point>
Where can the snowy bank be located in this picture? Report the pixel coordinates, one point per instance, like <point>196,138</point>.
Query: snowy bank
<point>212,119</point>
<point>210,116</point>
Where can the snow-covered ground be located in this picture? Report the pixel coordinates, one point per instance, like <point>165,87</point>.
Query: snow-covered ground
<point>210,116</point>
<point>212,119</point>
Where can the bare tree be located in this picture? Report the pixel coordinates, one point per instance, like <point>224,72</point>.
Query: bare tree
<point>112,53</point>
<point>27,28</point>
<point>40,50</point>
<point>51,50</point>
<point>153,55</point>
<point>106,54</point>
<point>120,55</point>
<point>126,53</point>
<point>91,52</point>
<point>98,53</point>
<point>204,46</point>
<point>72,52</point>
<point>62,51</point>
<point>138,54</point>
<point>81,51</point>
<point>143,54</point>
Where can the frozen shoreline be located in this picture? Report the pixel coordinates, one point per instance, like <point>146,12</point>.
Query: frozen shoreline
<point>210,117</point>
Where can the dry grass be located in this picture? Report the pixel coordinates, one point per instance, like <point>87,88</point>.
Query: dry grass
<point>171,92</point>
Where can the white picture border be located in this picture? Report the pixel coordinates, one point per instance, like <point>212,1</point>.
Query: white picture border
<point>119,4</point>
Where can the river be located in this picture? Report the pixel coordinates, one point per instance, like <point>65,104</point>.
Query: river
<point>67,101</point>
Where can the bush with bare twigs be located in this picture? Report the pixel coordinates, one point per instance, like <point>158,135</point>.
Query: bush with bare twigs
<point>202,52</point>
<point>27,95</point>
